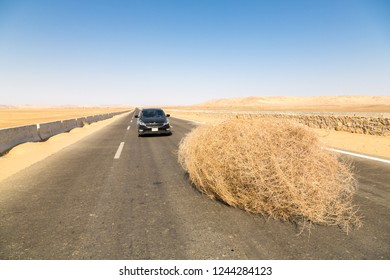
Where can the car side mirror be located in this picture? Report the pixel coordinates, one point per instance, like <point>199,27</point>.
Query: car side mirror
<point>136,116</point>
<point>168,115</point>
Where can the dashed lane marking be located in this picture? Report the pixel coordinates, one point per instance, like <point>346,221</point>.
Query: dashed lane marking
<point>128,127</point>
<point>119,151</point>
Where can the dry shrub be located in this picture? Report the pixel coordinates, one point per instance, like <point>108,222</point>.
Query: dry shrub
<point>270,166</point>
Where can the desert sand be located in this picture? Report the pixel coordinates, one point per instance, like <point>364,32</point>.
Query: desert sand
<point>10,117</point>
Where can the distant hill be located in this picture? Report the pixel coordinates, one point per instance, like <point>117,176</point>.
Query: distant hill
<point>66,106</point>
<point>6,106</point>
<point>300,103</point>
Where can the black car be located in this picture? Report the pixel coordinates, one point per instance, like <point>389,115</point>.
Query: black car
<point>153,121</point>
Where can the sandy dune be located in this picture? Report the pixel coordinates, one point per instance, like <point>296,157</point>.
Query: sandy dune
<point>378,104</point>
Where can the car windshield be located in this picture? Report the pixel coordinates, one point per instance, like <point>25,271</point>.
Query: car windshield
<point>152,113</point>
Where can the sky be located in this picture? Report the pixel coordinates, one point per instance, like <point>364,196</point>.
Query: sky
<point>183,52</point>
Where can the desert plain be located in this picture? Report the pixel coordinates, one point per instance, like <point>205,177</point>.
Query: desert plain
<point>349,104</point>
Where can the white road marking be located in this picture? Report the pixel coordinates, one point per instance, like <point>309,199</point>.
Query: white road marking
<point>128,127</point>
<point>119,151</point>
<point>131,121</point>
<point>358,155</point>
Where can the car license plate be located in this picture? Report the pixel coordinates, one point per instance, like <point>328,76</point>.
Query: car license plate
<point>154,129</point>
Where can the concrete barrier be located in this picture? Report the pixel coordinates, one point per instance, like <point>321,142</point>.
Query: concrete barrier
<point>107,116</point>
<point>92,119</point>
<point>81,122</point>
<point>47,130</point>
<point>10,137</point>
<point>69,124</point>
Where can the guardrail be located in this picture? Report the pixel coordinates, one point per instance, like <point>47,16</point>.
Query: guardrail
<point>13,136</point>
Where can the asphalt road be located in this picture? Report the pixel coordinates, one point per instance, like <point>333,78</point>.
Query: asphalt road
<point>81,203</point>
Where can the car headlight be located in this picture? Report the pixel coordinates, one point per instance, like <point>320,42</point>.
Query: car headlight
<point>166,122</point>
<point>141,123</point>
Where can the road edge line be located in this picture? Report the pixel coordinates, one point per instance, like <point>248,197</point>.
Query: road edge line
<point>358,155</point>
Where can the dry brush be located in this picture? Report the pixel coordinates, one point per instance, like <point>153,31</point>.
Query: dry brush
<point>274,167</point>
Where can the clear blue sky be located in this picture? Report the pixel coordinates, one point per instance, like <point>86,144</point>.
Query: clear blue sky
<point>187,51</point>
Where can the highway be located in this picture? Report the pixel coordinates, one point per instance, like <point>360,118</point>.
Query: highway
<point>93,200</point>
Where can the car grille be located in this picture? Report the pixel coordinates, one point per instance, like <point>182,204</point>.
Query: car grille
<point>154,124</point>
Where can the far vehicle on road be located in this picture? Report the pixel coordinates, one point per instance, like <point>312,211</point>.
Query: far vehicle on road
<point>153,121</point>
